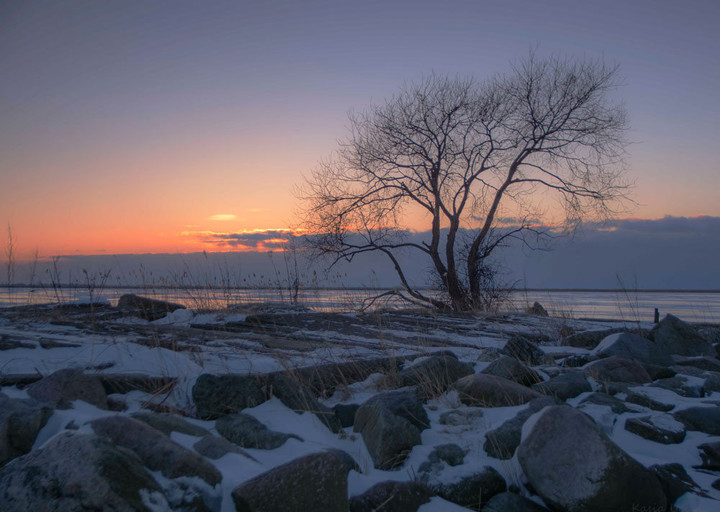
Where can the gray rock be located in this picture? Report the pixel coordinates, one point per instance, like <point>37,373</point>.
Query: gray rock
<point>460,417</point>
<point>525,351</point>
<point>444,454</point>
<point>122,383</point>
<point>502,442</point>
<point>511,369</point>
<point>510,502</point>
<point>62,387</point>
<point>603,399</point>
<point>677,337</point>
<point>167,423</point>
<point>536,309</point>
<point>489,354</point>
<point>681,385</point>
<point>299,398</point>
<point>574,466</point>
<point>701,362</point>
<point>79,472</point>
<point>675,481</point>
<point>248,432</point>
<point>434,375</point>
<point>345,413</point>
<point>712,382</point>
<point>710,456</point>
<point>491,391</point>
<point>634,347</point>
<point>347,459</point>
<point>157,451</point>
<point>616,369</point>
<point>391,496</point>
<point>564,386</point>
<point>20,422</point>
<point>314,482</point>
<point>639,398</point>
<point>218,395</point>
<point>143,307</point>
<point>390,424</point>
<point>587,339</point>
<point>473,491</point>
<point>660,427</point>
<point>704,419</point>
<point>215,447</point>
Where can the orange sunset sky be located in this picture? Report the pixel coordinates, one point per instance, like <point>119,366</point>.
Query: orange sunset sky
<point>137,127</point>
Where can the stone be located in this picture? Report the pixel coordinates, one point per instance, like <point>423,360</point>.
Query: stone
<point>638,397</point>
<point>299,398</point>
<point>510,502</point>
<point>216,447</point>
<point>502,442</point>
<point>345,413</point>
<point>616,369</point>
<point>145,308</point>
<point>444,454</point>
<point>62,387</point>
<point>347,459</point>
<point>704,419</point>
<point>564,386</point>
<point>701,362</point>
<point>157,451</point>
<point>572,465</point>
<point>490,391</point>
<point>246,431</point>
<point>659,427</point>
<point>167,423</point>
<point>536,309</point>
<point>691,387</point>
<point>79,472</point>
<point>314,482</point>
<point>677,337</point>
<point>512,369</point>
<point>390,424</point>
<point>525,351</point>
<point>391,496</point>
<point>460,417</point>
<point>675,481</point>
<point>219,395</point>
<point>122,383</point>
<point>710,454</point>
<point>473,491</point>
<point>587,339</point>
<point>604,400</point>
<point>20,422</point>
<point>435,374</point>
<point>633,347</point>
<point>712,382</point>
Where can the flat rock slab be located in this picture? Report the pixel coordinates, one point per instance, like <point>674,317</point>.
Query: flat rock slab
<point>248,432</point>
<point>661,428</point>
<point>62,387</point>
<point>616,369</point>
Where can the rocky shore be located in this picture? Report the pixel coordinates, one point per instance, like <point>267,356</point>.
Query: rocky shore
<point>386,411</point>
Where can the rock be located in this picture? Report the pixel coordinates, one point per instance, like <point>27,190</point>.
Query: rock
<point>215,447</point>
<point>604,400</point>
<point>677,337</point>
<point>444,454</point>
<point>511,369</point>
<point>345,413</point>
<point>536,309</point>
<point>248,432</point>
<point>143,307</point>
<point>577,360</point>
<point>489,354</point>
<point>510,502</point>
<point>691,387</point>
<point>167,423</point>
<point>434,375</point>
<point>79,472</point>
<point>704,419</point>
<point>490,391</point>
<point>712,382</point>
<point>564,386</point>
<point>346,458</point>
<point>314,482</point>
<point>125,382</point>
<point>675,481</point>
<point>218,395</point>
<point>701,362</point>
<point>660,427</point>
<point>391,496</point>
<point>157,451</point>
<point>460,417</point>
<point>525,351</point>
<point>390,424</point>
<point>20,422</point>
<point>297,397</point>
<point>587,339</point>
<point>639,397</point>
<point>573,465</point>
<point>710,456</point>
<point>63,386</point>
<point>473,491</point>
<point>502,442</point>
<point>633,347</point>
<point>616,369</point>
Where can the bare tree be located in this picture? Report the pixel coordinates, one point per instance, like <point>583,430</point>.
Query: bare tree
<point>466,154</point>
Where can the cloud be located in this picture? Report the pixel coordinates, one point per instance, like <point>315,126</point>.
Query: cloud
<point>261,240</point>
<point>223,217</point>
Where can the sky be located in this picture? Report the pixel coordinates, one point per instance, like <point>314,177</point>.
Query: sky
<point>130,127</point>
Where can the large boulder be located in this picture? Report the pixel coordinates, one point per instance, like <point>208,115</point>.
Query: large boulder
<point>299,398</point>
<point>143,307</point>
<point>390,424</point>
<point>79,472</point>
<point>314,482</point>
<point>435,374</point>
<point>491,391</point>
<point>62,387</point>
<point>395,496</point>
<point>512,369</point>
<point>616,369</point>
<point>525,351</point>
<point>564,386</point>
<point>20,422</point>
<point>157,451</point>
<point>248,432</point>
<point>218,395</point>
<point>704,419</point>
<point>510,502</point>
<point>675,481</point>
<point>502,442</point>
<point>634,347</point>
<point>710,454</point>
<point>677,337</point>
<point>574,466</point>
